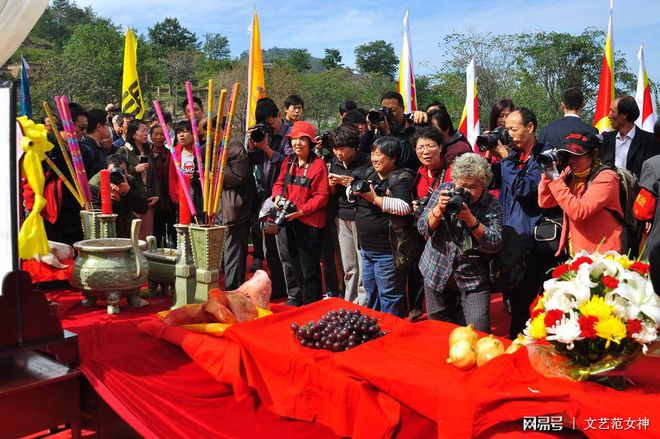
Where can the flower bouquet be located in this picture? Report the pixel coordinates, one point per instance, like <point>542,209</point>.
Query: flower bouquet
<point>597,314</point>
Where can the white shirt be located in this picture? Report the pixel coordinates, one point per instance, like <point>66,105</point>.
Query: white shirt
<point>187,162</point>
<point>621,148</point>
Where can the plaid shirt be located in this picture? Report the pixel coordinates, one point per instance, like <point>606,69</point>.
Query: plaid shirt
<point>452,248</point>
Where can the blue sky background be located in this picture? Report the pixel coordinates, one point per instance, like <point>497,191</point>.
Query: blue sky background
<point>345,24</point>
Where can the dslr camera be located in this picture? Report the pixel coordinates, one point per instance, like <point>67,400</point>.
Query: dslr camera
<point>380,115</point>
<point>286,207</point>
<point>117,175</point>
<point>488,141</point>
<point>457,197</point>
<point>421,205</point>
<point>546,158</point>
<point>360,186</point>
<point>259,132</point>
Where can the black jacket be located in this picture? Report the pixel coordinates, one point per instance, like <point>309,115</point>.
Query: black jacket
<point>133,201</point>
<point>345,209</point>
<point>555,133</point>
<point>642,148</point>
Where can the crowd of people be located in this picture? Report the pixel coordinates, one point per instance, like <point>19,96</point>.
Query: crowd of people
<point>391,210</point>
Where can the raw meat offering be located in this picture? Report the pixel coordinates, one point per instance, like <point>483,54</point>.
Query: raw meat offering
<point>258,289</point>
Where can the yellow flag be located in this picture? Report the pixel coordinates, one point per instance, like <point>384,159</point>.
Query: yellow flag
<point>32,238</point>
<point>256,84</point>
<point>131,95</point>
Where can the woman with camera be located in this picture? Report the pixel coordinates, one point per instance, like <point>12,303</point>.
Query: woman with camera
<point>301,195</point>
<point>141,165</point>
<point>384,196</point>
<point>588,193</point>
<point>433,172</point>
<point>463,225</point>
<point>348,163</point>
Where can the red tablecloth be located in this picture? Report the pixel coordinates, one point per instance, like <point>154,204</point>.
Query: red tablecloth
<point>361,392</point>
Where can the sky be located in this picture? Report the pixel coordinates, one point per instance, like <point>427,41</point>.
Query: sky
<point>345,24</point>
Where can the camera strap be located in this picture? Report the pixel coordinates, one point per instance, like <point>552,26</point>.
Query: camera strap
<point>290,178</point>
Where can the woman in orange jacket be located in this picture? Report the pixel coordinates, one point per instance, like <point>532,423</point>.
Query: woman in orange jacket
<point>588,193</point>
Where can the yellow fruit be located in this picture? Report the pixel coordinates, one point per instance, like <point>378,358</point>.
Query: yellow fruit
<point>462,355</point>
<point>465,333</point>
<point>487,342</point>
<point>487,354</point>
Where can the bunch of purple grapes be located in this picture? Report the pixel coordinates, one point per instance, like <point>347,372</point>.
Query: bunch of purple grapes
<point>338,330</point>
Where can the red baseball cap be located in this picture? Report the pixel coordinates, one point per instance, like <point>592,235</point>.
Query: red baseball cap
<point>580,143</point>
<point>303,129</point>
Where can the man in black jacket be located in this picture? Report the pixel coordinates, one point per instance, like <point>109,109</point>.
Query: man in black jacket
<point>572,103</point>
<point>127,197</point>
<point>628,146</point>
<point>90,144</point>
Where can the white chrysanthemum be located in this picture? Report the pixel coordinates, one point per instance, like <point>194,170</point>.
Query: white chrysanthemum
<point>647,335</point>
<point>640,296</point>
<point>566,332</point>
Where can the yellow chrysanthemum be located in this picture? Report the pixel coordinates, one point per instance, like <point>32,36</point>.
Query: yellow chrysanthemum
<point>621,259</point>
<point>596,307</point>
<point>539,305</point>
<point>537,327</point>
<point>610,328</point>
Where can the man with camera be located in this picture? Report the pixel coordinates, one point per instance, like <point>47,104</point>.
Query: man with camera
<point>391,120</point>
<point>268,146</point>
<point>463,224</point>
<point>517,149</point>
<point>127,195</point>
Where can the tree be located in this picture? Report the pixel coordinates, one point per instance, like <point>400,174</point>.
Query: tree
<point>177,67</point>
<point>170,35</point>
<point>332,59</point>
<point>376,57</point>
<point>300,59</point>
<point>59,20</point>
<point>89,70</point>
<point>216,47</point>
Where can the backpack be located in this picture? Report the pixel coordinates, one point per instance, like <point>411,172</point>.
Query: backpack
<point>628,190</point>
<point>507,266</point>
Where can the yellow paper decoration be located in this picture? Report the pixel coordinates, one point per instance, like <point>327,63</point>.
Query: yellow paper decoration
<point>32,238</point>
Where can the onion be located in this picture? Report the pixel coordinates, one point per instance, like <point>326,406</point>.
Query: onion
<point>488,342</point>
<point>465,333</point>
<point>487,354</point>
<point>517,344</point>
<point>462,355</point>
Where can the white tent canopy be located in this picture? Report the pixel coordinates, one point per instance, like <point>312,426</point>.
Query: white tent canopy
<point>17,18</point>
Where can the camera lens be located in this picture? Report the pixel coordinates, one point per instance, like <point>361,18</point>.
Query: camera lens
<point>258,134</point>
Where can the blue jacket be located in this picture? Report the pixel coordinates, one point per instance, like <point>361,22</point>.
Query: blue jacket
<point>519,191</point>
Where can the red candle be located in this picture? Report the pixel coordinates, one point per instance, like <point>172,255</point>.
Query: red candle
<point>184,209</point>
<point>106,201</point>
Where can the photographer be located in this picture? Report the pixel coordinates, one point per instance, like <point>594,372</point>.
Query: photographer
<point>383,193</point>
<point>520,174</point>
<point>390,120</point>
<point>348,162</point>
<point>301,195</point>
<point>128,197</point>
<point>588,193</point>
<point>433,172</point>
<point>268,147</point>
<point>463,224</point>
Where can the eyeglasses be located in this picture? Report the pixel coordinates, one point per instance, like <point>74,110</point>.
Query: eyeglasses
<point>426,147</point>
